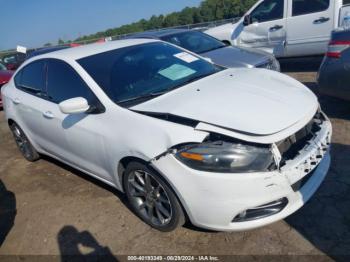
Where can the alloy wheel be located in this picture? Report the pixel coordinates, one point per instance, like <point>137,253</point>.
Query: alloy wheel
<point>21,141</point>
<point>150,198</point>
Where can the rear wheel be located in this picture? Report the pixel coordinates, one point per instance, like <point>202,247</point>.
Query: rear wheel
<point>151,198</point>
<point>24,145</point>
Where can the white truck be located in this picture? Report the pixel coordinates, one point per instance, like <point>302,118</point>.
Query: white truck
<point>286,28</point>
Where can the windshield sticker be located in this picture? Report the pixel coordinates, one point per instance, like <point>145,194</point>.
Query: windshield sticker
<point>176,72</point>
<point>188,58</point>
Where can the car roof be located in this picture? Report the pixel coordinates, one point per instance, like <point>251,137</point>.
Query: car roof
<point>91,49</point>
<point>157,34</point>
<point>45,50</point>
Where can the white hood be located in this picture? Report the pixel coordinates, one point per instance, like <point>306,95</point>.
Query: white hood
<point>253,101</point>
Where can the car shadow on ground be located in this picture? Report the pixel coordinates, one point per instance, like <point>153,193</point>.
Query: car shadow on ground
<point>86,177</point>
<point>121,196</point>
<point>325,219</point>
<point>81,246</point>
<point>302,64</point>
<point>8,211</point>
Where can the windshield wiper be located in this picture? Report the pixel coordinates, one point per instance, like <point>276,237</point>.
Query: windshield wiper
<point>195,79</point>
<point>141,98</point>
<point>145,97</point>
<point>212,49</point>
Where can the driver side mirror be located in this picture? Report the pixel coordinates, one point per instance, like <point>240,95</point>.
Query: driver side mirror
<point>247,20</point>
<point>75,105</point>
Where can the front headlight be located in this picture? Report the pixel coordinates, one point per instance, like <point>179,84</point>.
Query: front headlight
<point>276,65</point>
<point>226,157</point>
<point>271,64</point>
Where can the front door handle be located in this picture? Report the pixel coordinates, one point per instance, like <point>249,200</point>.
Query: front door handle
<point>321,20</point>
<point>48,114</point>
<point>275,28</point>
<point>16,101</point>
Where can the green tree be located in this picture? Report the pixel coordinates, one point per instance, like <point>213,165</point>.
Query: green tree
<point>208,10</point>
<point>60,41</point>
<point>186,16</point>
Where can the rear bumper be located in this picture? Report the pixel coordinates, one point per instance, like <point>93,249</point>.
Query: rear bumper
<point>333,79</point>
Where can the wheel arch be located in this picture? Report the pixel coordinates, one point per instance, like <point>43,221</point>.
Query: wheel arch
<point>123,163</point>
<point>10,121</point>
<point>226,42</point>
<point>121,169</point>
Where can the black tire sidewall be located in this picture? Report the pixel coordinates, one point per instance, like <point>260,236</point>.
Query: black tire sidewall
<point>178,217</point>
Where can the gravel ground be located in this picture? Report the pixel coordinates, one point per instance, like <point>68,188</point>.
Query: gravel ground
<point>47,208</point>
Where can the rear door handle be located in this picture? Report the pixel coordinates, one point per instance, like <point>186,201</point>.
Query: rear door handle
<point>16,101</point>
<point>275,28</point>
<point>321,20</point>
<point>48,114</point>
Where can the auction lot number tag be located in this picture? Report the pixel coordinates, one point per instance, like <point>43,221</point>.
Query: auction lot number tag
<point>188,58</point>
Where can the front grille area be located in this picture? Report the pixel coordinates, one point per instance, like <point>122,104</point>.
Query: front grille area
<point>304,151</point>
<point>299,184</point>
<point>291,146</point>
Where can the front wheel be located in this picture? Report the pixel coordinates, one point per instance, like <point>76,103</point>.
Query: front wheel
<point>151,198</point>
<point>24,145</point>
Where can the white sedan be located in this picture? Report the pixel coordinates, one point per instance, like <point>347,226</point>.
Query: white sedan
<point>227,149</point>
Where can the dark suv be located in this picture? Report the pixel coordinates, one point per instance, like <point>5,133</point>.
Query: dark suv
<point>334,73</point>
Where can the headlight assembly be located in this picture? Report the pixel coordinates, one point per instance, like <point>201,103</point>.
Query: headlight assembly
<point>271,64</point>
<point>226,157</point>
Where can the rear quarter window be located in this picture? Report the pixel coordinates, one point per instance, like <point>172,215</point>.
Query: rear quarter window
<point>31,78</point>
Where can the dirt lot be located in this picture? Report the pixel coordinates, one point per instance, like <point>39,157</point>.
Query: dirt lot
<point>48,208</point>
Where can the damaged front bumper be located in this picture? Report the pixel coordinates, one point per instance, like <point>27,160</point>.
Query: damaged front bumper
<point>216,200</point>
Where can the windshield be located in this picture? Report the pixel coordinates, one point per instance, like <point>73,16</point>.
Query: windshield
<point>137,73</point>
<point>194,41</point>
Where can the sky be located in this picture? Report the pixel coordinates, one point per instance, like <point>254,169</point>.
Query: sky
<point>32,23</point>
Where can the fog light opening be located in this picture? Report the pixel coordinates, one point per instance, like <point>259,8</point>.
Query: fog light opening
<point>262,211</point>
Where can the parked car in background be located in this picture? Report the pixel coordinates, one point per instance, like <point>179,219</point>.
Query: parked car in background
<point>14,60</point>
<point>5,76</point>
<point>229,149</point>
<point>209,47</point>
<point>2,66</point>
<point>45,50</point>
<point>334,73</point>
<point>286,28</point>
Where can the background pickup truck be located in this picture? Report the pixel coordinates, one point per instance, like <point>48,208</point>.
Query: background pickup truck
<point>286,28</point>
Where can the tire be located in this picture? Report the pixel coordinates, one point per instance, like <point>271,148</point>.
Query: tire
<point>151,198</point>
<point>23,143</point>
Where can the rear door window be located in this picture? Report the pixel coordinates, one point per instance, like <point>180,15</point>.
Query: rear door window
<point>303,7</point>
<point>31,78</point>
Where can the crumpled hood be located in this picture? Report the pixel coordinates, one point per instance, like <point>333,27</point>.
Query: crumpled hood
<point>236,57</point>
<point>252,101</point>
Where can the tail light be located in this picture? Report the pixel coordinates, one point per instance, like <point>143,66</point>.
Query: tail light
<point>335,48</point>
